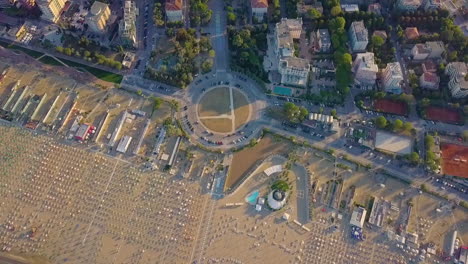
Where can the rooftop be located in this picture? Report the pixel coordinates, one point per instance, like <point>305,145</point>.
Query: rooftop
<point>430,77</point>
<point>173,5</point>
<point>359,30</point>
<point>324,35</point>
<point>296,63</point>
<point>429,66</point>
<point>97,8</point>
<point>380,33</point>
<point>411,32</point>
<point>422,48</point>
<point>374,8</point>
<point>366,60</point>
<point>259,3</point>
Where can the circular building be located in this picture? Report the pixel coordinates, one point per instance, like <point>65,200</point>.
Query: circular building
<point>276,199</point>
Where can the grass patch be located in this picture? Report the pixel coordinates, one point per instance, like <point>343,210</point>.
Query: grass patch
<point>51,61</point>
<point>32,53</point>
<point>101,74</point>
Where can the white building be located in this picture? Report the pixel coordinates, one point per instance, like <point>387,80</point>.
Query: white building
<point>123,144</point>
<point>350,8</point>
<point>322,40</point>
<point>428,50</point>
<point>174,10</point>
<point>364,69</point>
<point>358,217</point>
<point>259,8</point>
<point>276,199</point>
<point>458,83</point>
<point>392,78</point>
<point>432,4</point>
<point>127,25</point>
<point>51,9</point>
<point>358,36</point>
<point>293,70</point>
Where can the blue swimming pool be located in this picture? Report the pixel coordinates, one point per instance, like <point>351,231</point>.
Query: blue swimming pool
<point>252,197</point>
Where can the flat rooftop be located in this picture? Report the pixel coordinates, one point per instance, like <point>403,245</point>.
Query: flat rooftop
<point>394,143</point>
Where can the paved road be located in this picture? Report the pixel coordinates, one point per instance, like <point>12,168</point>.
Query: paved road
<point>217,29</point>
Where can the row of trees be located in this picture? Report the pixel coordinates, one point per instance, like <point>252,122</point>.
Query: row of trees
<point>342,58</point>
<point>158,15</point>
<point>432,161</point>
<point>90,56</point>
<point>397,125</point>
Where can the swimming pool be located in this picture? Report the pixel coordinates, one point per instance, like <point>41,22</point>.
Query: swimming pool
<point>252,197</point>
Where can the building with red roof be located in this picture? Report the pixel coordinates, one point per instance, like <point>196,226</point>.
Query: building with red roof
<point>411,33</point>
<point>429,80</point>
<point>174,10</point>
<point>259,8</point>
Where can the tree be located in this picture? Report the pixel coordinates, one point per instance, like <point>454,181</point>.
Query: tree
<point>157,103</point>
<point>397,125</point>
<point>377,41</point>
<point>381,122</point>
<point>429,141</point>
<point>59,49</point>
<point>231,18</point>
<point>313,13</point>
<point>333,112</point>
<point>465,135</point>
<point>139,93</point>
<point>86,54</point>
<point>414,157</point>
<point>335,11</point>
<point>291,110</point>
<point>207,65</point>
<point>425,102</point>
<point>407,126</point>
<point>303,113</point>
<point>336,23</point>
<point>238,41</point>
<point>212,53</point>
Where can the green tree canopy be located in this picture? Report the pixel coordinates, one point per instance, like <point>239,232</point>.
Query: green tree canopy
<point>398,125</point>
<point>313,13</point>
<point>381,122</point>
<point>377,41</point>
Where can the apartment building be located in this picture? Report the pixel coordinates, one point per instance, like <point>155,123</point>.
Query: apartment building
<point>428,50</point>
<point>365,70</point>
<point>51,9</point>
<point>392,78</point>
<point>98,16</point>
<point>127,26</point>
<point>294,71</point>
<point>322,41</point>
<point>408,5</point>
<point>429,80</point>
<point>358,36</point>
<point>458,84</point>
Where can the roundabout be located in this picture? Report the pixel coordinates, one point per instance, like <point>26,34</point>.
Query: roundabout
<point>223,109</point>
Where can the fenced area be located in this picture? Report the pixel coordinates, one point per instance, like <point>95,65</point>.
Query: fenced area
<point>443,114</point>
<point>391,106</point>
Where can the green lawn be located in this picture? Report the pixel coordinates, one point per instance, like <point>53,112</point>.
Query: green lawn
<point>101,74</point>
<point>32,53</point>
<point>49,60</point>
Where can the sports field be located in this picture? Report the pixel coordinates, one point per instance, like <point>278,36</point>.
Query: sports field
<point>443,114</point>
<point>455,160</point>
<point>391,106</point>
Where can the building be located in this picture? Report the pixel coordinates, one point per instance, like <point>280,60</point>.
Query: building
<point>51,9</point>
<point>350,8</point>
<point>408,5</point>
<point>380,33</point>
<point>123,144</point>
<point>358,36</point>
<point>411,33</point>
<point>127,25</point>
<point>463,255</point>
<point>259,9</point>
<point>322,41</point>
<point>294,71</point>
<point>392,78</point>
<point>458,84</point>
<point>302,8</point>
<point>365,70</point>
<point>276,199</point>
<point>432,5</point>
<point>429,66</point>
<point>358,217</point>
<point>98,16</point>
<point>429,80</point>
<point>375,8</point>
<point>82,132</point>
<point>393,143</point>
<point>428,50</point>
<point>174,10</point>
<point>378,212</point>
